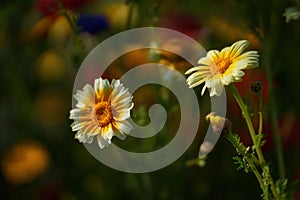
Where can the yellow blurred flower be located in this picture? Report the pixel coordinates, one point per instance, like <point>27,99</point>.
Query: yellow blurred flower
<point>60,31</point>
<point>222,68</point>
<point>102,111</point>
<point>51,66</point>
<point>117,14</point>
<point>50,108</point>
<point>38,30</point>
<point>24,162</point>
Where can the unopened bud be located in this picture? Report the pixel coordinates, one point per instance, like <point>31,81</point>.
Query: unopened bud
<point>256,87</point>
<point>219,124</point>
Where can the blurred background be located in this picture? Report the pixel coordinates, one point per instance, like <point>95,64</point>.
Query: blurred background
<point>42,44</point>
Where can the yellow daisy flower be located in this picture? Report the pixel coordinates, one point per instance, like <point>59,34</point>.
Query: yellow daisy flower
<point>222,68</point>
<point>102,111</point>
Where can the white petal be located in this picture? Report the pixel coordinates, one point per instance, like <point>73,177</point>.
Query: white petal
<point>192,70</point>
<point>82,137</point>
<point>218,89</point>
<point>107,132</point>
<point>88,129</point>
<point>101,141</point>
<point>85,97</point>
<point>206,61</point>
<point>212,92</point>
<point>100,85</point>
<point>203,89</point>
<point>225,52</point>
<point>119,93</point>
<point>213,54</point>
<point>252,58</point>
<point>238,47</point>
<point>124,126</point>
<point>76,125</point>
<point>120,115</point>
<point>116,83</point>
<point>122,103</point>
<point>240,64</point>
<point>226,79</point>
<point>80,113</point>
<point>214,80</point>
<point>237,73</point>
<point>89,139</point>
<point>196,81</point>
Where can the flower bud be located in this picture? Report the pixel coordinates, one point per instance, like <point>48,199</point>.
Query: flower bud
<point>256,87</point>
<point>219,124</point>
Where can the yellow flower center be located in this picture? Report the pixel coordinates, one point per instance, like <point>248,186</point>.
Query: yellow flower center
<point>103,113</point>
<point>222,64</point>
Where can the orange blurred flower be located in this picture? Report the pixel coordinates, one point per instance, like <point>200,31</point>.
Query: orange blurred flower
<point>24,162</point>
<point>229,32</point>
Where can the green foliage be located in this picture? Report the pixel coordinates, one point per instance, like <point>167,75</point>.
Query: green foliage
<point>241,164</point>
<point>245,156</point>
<point>267,180</point>
<point>259,141</point>
<point>286,189</point>
<point>249,107</point>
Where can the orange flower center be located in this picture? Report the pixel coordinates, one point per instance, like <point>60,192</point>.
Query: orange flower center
<point>103,113</point>
<point>222,64</point>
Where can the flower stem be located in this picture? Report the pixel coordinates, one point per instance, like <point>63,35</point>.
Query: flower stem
<point>272,42</point>
<point>251,164</point>
<point>130,14</point>
<point>77,41</point>
<point>246,115</point>
<point>274,122</point>
<point>256,143</point>
<point>260,100</point>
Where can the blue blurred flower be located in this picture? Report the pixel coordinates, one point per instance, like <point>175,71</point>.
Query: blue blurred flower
<point>92,23</point>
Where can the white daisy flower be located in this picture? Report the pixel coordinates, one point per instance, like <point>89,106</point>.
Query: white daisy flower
<point>222,68</point>
<point>102,112</point>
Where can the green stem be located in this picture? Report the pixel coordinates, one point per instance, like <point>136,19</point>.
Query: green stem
<point>271,44</point>
<point>130,15</point>
<point>260,100</point>
<point>77,41</point>
<point>251,164</point>
<point>65,13</point>
<point>274,122</point>
<point>246,115</point>
<point>256,144</point>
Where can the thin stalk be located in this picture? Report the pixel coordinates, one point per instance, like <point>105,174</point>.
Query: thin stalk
<point>274,122</point>
<point>260,155</point>
<point>251,164</point>
<point>130,15</point>
<point>271,46</point>
<point>260,100</point>
<point>77,41</point>
<point>245,112</point>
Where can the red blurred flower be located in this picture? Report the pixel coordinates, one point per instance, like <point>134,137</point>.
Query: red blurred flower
<point>50,7</point>
<point>185,23</point>
<point>289,125</point>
